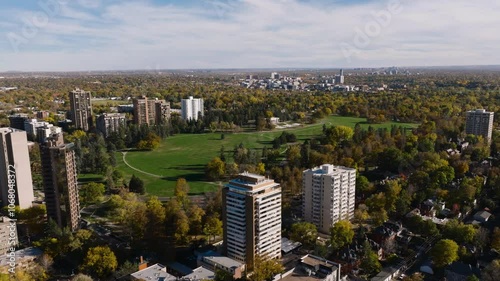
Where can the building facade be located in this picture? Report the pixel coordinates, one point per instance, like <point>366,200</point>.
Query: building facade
<point>162,112</point>
<point>60,182</point>
<point>81,109</point>
<point>17,120</point>
<point>479,122</point>
<point>328,195</point>
<point>191,108</point>
<point>252,218</point>
<point>150,111</point>
<point>110,122</point>
<point>15,165</point>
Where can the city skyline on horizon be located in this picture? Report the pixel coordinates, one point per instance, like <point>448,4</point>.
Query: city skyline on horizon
<point>83,35</point>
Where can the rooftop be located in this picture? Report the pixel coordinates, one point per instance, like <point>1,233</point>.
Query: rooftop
<point>224,261</point>
<point>289,245</point>
<point>200,273</point>
<point>328,169</point>
<point>156,272</point>
<point>312,268</point>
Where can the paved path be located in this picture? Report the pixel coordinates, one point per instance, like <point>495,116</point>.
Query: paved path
<point>124,153</point>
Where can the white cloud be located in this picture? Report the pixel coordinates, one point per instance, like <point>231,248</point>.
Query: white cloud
<point>255,33</point>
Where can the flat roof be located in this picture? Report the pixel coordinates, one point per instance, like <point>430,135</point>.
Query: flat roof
<point>200,273</point>
<point>289,245</point>
<point>156,272</point>
<point>224,261</point>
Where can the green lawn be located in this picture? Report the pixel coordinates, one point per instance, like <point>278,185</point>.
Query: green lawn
<point>186,155</point>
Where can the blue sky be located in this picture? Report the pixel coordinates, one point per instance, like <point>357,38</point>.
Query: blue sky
<point>69,35</point>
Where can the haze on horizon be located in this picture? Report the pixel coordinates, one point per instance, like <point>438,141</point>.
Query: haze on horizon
<point>62,35</point>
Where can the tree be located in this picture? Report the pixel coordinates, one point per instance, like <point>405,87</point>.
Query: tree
<point>213,226</point>
<point>100,261</point>
<point>459,232</point>
<point>305,233</point>
<point>181,191</point>
<point>495,239</point>
<point>125,269</point>
<point>156,216</point>
<point>222,275</point>
<point>341,234</point>
<point>369,262</point>
<point>136,185</point>
<point>82,277</point>
<point>91,193</point>
<point>33,218</point>
<point>195,214</point>
<point>265,268</point>
<point>444,252</point>
<point>490,273</point>
<point>181,226</point>
<point>150,142</point>
<point>216,169</point>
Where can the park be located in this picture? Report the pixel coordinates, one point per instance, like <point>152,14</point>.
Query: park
<point>185,155</point>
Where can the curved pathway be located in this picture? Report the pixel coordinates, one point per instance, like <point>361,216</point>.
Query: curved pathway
<point>124,153</point>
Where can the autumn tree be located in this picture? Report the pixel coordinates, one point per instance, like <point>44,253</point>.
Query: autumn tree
<point>181,192</point>
<point>195,214</point>
<point>91,193</point>
<point>265,269</point>
<point>444,252</point>
<point>216,169</point>
<point>150,142</point>
<point>99,261</point>
<point>213,227</point>
<point>341,234</point>
<point>305,233</point>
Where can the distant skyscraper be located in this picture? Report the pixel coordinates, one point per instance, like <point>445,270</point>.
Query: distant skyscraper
<point>60,182</point>
<point>191,109</point>
<point>252,218</point>
<point>15,164</point>
<point>339,79</point>
<point>81,109</point>
<point>110,122</point>
<point>480,123</point>
<point>328,195</point>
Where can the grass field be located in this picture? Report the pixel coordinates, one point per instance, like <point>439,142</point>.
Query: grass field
<point>186,155</point>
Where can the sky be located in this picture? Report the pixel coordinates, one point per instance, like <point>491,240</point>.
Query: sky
<point>79,35</point>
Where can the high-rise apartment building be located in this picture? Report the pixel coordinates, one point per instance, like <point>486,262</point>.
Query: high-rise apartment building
<point>162,112</point>
<point>480,123</point>
<point>328,195</point>
<point>15,168</point>
<point>252,218</point>
<point>17,120</point>
<point>110,122</point>
<point>191,109</point>
<point>81,109</point>
<point>60,182</point>
<point>150,111</point>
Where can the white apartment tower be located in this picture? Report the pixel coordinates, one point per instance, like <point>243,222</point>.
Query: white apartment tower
<point>252,218</point>
<point>480,123</point>
<point>15,166</point>
<point>191,109</point>
<point>328,195</point>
